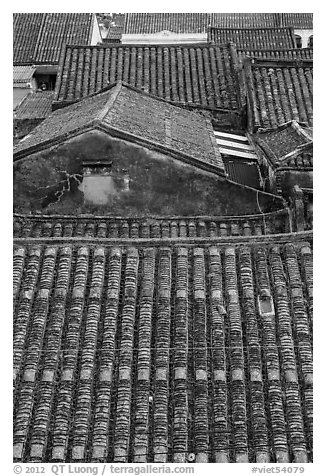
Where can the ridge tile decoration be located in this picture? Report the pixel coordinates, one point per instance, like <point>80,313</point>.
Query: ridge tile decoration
<point>279,92</point>
<point>198,76</point>
<point>39,37</point>
<point>253,38</point>
<point>163,353</point>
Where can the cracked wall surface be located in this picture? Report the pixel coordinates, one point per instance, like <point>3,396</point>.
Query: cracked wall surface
<point>139,182</point>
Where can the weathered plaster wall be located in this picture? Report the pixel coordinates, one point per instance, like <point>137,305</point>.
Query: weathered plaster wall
<point>143,182</point>
<point>287,179</point>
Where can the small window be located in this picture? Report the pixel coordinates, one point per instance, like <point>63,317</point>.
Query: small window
<point>310,41</point>
<point>298,41</point>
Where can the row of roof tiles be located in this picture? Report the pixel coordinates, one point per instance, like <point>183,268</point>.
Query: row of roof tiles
<point>146,23</point>
<point>277,54</point>
<point>39,37</point>
<point>192,75</point>
<point>163,354</point>
<point>280,92</point>
<point>254,38</point>
<point>144,228</point>
<point>202,76</point>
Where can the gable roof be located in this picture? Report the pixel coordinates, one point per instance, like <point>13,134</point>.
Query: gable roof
<point>146,23</point>
<point>253,38</point>
<point>136,116</point>
<point>37,105</point>
<point>197,76</point>
<point>279,91</point>
<point>284,142</point>
<point>114,346</point>
<point>39,37</point>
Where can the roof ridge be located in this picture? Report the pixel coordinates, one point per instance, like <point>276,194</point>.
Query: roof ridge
<point>115,92</point>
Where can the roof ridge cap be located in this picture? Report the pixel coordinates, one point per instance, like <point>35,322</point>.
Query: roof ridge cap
<point>115,91</point>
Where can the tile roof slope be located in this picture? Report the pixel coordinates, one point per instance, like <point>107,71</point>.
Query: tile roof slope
<point>22,75</point>
<point>199,76</point>
<point>26,28</point>
<point>282,91</point>
<point>114,33</point>
<point>142,23</point>
<point>253,38</point>
<point>298,20</point>
<point>244,20</point>
<point>63,121</point>
<point>280,142</point>
<point>261,20</point>
<point>35,106</point>
<point>131,112</point>
<point>140,354</point>
<point>38,38</point>
<point>277,54</point>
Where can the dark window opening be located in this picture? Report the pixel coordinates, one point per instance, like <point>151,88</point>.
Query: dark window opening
<point>97,168</point>
<point>310,41</point>
<point>243,171</point>
<point>298,41</point>
<point>45,82</point>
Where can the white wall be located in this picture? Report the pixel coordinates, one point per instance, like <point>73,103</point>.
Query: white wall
<point>96,34</point>
<point>304,35</point>
<point>165,36</point>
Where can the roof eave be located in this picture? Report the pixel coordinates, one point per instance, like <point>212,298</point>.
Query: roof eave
<point>52,142</point>
<point>191,160</point>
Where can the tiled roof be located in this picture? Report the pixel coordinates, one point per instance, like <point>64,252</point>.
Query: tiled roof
<point>298,20</point>
<point>39,37</point>
<point>261,20</point>
<point>287,139</point>
<point>253,38</point>
<point>137,116</point>
<point>280,91</point>
<point>278,54</point>
<point>116,27</point>
<point>200,76</point>
<point>151,228</point>
<point>35,106</point>
<point>147,23</point>
<point>300,160</point>
<point>142,23</point>
<point>22,75</point>
<point>114,33</point>
<point>164,354</point>
<point>244,20</point>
